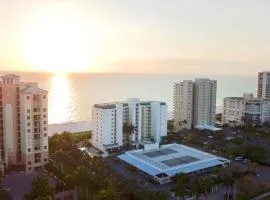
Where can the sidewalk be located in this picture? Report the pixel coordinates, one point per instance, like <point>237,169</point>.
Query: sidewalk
<point>262,196</point>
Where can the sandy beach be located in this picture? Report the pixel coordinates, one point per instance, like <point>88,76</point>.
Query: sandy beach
<point>69,127</point>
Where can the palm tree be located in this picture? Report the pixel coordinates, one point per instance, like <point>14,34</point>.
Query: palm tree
<point>197,187</point>
<point>184,123</point>
<point>150,195</point>
<point>247,121</point>
<point>228,181</point>
<point>207,185</point>
<point>129,129</point>
<point>180,123</point>
<point>80,178</point>
<point>237,174</point>
<point>182,181</point>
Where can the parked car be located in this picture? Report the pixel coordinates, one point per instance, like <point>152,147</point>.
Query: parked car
<point>238,158</point>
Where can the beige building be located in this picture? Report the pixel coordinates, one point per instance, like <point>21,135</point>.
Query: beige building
<point>24,123</point>
<point>194,103</point>
<point>237,108</point>
<point>263,87</point>
<point>183,104</point>
<point>204,109</point>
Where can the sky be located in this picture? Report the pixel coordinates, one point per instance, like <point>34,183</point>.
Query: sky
<point>136,36</point>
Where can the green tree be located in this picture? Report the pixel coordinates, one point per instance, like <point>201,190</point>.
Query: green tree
<point>190,137</point>
<point>207,185</point>
<point>256,153</point>
<point>184,122</point>
<point>63,142</point>
<point>170,126</point>
<point>182,182</point>
<point>128,129</point>
<point>228,181</point>
<point>247,121</point>
<point>238,141</point>
<point>2,192</point>
<point>80,178</point>
<point>149,195</point>
<point>237,174</point>
<point>197,187</point>
<point>42,189</point>
<point>107,193</point>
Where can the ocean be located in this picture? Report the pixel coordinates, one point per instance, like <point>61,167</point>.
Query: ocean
<point>71,96</point>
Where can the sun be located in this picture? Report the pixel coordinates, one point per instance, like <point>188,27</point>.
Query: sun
<point>59,41</point>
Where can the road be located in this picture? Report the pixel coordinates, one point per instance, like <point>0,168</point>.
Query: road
<point>262,196</point>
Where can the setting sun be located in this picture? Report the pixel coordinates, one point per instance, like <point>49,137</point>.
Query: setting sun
<point>60,41</point>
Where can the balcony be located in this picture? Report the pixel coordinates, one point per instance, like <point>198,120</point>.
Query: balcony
<point>37,130</point>
<point>37,148</point>
<point>37,161</point>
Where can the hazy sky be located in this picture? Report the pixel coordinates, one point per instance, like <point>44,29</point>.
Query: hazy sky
<point>153,36</point>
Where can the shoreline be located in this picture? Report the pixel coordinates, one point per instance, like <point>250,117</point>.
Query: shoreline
<point>70,126</point>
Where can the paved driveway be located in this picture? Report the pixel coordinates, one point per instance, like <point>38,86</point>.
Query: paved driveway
<point>19,184</point>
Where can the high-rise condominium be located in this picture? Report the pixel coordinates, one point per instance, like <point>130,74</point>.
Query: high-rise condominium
<point>195,103</point>
<point>23,124</point>
<point>183,104</point>
<point>149,119</point>
<point>204,110</point>
<point>263,88</point>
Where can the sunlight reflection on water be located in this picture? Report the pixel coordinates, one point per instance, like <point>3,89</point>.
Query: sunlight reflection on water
<point>60,99</point>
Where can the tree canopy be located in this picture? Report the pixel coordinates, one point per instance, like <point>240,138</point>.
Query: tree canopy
<point>42,189</point>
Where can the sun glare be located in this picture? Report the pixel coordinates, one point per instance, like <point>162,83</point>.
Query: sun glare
<point>58,41</point>
<point>60,100</point>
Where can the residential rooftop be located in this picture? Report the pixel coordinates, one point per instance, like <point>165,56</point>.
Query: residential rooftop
<point>125,103</point>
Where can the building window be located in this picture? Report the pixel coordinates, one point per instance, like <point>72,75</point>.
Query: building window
<point>28,124</point>
<point>28,117</point>
<point>28,110</point>
<point>45,147</point>
<point>29,169</point>
<point>27,97</point>
<point>45,159</point>
<point>44,109</point>
<point>45,122</point>
<point>44,116</point>
<point>44,128</point>
<point>45,135</point>
<point>28,130</point>
<point>29,162</point>
<point>29,150</point>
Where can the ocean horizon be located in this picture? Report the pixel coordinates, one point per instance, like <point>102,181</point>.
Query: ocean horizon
<point>71,96</point>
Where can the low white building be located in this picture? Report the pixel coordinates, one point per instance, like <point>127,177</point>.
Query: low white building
<point>237,108</point>
<point>149,119</point>
<point>163,162</point>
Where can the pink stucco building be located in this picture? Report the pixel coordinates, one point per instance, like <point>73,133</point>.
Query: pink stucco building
<point>23,124</point>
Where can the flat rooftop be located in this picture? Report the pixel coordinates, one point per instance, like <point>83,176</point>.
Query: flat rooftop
<point>208,127</point>
<point>171,159</point>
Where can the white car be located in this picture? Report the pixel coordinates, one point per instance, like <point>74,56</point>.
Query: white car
<point>238,158</point>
